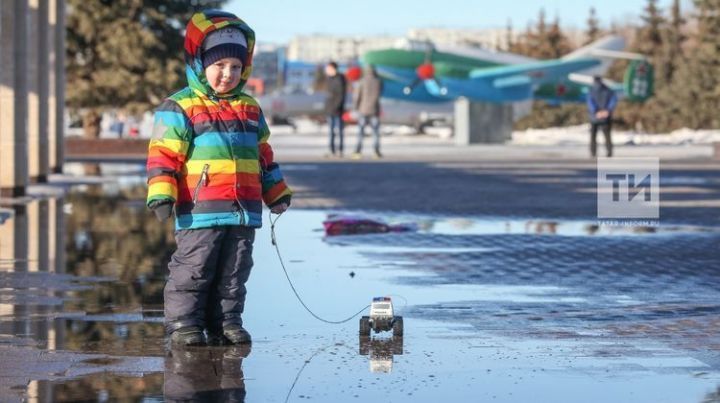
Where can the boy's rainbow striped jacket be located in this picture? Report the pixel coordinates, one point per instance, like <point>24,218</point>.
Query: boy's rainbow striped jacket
<point>209,154</point>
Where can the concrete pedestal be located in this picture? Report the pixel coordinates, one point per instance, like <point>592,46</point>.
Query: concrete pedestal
<point>482,122</point>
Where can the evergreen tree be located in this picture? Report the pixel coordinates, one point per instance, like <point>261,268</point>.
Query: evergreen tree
<point>648,41</point>
<point>509,37</point>
<point>649,38</point>
<point>558,43</point>
<point>126,53</point>
<point>593,27</point>
<point>540,43</point>
<point>522,44</point>
<point>674,41</point>
<point>696,83</point>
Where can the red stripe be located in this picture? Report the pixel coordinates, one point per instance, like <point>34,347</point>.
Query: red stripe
<point>222,115</point>
<point>266,154</point>
<point>162,178</point>
<point>163,162</point>
<point>193,39</point>
<point>243,108</point>
<point>220,193</point>
<point>274,192</point>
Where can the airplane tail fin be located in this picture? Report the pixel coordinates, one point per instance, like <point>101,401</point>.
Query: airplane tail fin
<point>611,43</point>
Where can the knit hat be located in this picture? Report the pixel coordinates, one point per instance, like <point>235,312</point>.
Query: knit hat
<point>225,42</point>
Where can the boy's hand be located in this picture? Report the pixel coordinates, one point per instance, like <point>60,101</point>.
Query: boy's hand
<point>162,209</point>
<point>279,209</point>
<point>163,212</point>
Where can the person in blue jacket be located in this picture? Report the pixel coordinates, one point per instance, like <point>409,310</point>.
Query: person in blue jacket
<point>601,101</point>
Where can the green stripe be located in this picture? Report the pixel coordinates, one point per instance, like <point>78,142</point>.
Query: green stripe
<point>175,133</point>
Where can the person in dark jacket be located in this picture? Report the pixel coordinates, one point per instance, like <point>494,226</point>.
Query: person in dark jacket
<point>367,104</point>
<point>601,102</point>
<point>335,106</point>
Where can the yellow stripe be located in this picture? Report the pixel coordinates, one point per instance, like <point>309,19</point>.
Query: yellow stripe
<point>162,188</point>
<point>188,102</point>
<point>221,24</point>
<point>176,146</point>
<point>200,22</point>
<point>197,101</point>
<point>195,167</point>
<point>245,100</point>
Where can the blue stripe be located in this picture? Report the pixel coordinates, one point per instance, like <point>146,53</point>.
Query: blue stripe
<point>216,139</point>
<point>207,220</point>
<point>276,175</point>
<point>170,118</point>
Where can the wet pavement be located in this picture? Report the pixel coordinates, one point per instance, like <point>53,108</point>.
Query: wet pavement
<point>496,308</point>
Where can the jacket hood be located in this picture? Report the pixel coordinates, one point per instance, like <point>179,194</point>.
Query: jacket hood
<point>200,25</point>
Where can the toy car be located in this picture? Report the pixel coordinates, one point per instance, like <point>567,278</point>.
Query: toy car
<point>381,318</point>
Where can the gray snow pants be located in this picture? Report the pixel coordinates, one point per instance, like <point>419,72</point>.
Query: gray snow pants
<point>208,272</point>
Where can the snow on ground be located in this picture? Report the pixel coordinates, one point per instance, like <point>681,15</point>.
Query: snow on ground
<point>556,136</point>
<point>574,135</point>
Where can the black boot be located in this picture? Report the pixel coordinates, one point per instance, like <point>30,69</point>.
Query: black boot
<point>188,336</point>
<point>235,334</point>
<point>216,338</point>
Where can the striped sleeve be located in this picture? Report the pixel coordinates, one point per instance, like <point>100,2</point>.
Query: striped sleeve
<point>167,151</point>
<point>274,189</point>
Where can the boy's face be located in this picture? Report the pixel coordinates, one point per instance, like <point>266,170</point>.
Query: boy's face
<point>224,75</point>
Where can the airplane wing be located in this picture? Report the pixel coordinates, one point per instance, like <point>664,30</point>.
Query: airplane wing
<point>534,73</point>
<point>504,83</point>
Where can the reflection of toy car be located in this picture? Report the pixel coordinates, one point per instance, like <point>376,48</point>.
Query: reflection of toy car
<point>381,318</point>
<point>381,352</point>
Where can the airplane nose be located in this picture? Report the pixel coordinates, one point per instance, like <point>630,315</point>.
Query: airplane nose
<point>425,71</point>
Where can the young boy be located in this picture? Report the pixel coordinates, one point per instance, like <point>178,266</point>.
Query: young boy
<point>210,160</point>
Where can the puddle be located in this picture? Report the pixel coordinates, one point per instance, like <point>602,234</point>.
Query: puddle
<point>495,309</point>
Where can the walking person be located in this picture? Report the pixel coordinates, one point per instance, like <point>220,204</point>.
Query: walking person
<point>335,107</point>
<point>601,101</point>
<point>367,104</point>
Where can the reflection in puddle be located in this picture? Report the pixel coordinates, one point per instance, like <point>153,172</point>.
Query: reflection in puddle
<point>100,387</point>
<point>496,309</point>
<point>381,352</point>
<point>552,227</point>
<point>205,374</point>
<point>357,224</point>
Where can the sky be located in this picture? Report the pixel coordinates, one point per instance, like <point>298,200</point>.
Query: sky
<point>277,21</point>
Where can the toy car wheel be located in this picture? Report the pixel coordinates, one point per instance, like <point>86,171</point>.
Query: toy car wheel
<point>364,344</point>
<point>365,326</point>
<point>398,326</point>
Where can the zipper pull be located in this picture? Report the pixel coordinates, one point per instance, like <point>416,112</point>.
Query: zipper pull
<point>205,177</point>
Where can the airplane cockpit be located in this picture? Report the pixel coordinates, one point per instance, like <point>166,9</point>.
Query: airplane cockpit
<point>414,44</point>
